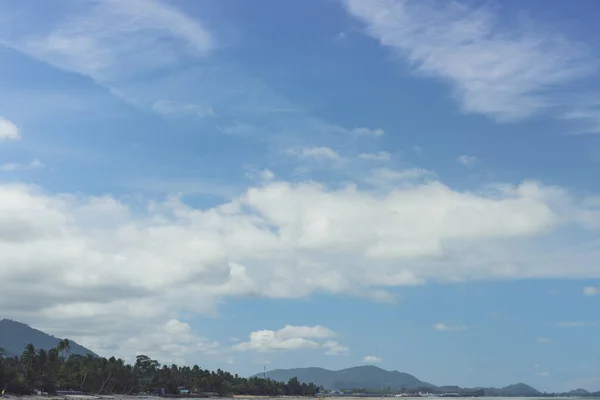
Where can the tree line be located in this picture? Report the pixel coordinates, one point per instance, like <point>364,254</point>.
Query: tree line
<point>57,370</point>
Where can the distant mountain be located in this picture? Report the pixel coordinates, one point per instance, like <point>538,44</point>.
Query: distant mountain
<point>517,390</point>
<point>371,377</point>
<point>368,377</point>
<point>14,336</point>
<point>578,392</point>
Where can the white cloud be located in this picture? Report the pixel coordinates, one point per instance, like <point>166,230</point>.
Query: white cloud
<point>267,175</point>
<point>125,268</point>
<point>379,156</point>
<point>543,374</point>
<point>506,73</point>
<point>387,176</point>
<point>333,348</point>
<point>317,332</point>
<point>263,175</point>
<point>372,359</point>
<point>449,328</point>
<point>9,167</point>
<point>174,342</point>
<point>543,340</point>
<point>317,153</point>
<point>368,132</point>
<point>467,160</point>
<point>288,338</point>
<point>8,130</point>
<point>591,291</point>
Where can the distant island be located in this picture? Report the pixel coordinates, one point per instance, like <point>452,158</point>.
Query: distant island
<point>372,380</point>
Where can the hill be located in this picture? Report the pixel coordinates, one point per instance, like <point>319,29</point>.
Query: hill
<point>578,392</point>
<point>517,390</point>
<point>374,378</point>
<point>368,377</point>
<point>14,336</point>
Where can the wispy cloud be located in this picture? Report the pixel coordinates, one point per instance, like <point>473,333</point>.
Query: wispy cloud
<point>467,160</point>
<point>372,359</point>
<point>390,175</point>
<point>440,326</point>
<point>591,291</point>
<point>9,167</point>
<point>340,36</point>
<point>8,130</point>
<point>586,113</point>
<point>379,156</point>
<point>115,39</point>
<point>574,324</point>
<point>506,73</point>
<point>173,108</point>
<point>543,340</point>
<point>155,57</point>
<point>368,132</point>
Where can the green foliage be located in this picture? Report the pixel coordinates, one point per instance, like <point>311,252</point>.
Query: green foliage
<point>57,369</point>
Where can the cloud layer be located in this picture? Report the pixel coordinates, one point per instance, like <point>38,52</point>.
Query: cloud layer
<point>142,264</point>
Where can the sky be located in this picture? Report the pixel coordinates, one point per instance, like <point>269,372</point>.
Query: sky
<point>239,185</point>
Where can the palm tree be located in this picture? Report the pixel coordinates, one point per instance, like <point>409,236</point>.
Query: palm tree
<point>27,359</point>
<point>64,346</point>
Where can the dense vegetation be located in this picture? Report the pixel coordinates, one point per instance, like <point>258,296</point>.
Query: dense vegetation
<point>57,369</point>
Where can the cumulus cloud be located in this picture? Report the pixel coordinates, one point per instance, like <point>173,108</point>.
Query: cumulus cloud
<point>8,130</point>
<point>126,267</point>
<point>504,72</point>
<point>288,338</point>
<point>467,160</point>
<point>591,291</point>
<point>372,359</point>
<point>173,342</point>
<point>316,153</point>
<point>440,326</point>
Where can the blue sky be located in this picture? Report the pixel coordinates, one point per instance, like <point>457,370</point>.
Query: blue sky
<point>240,184</point>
